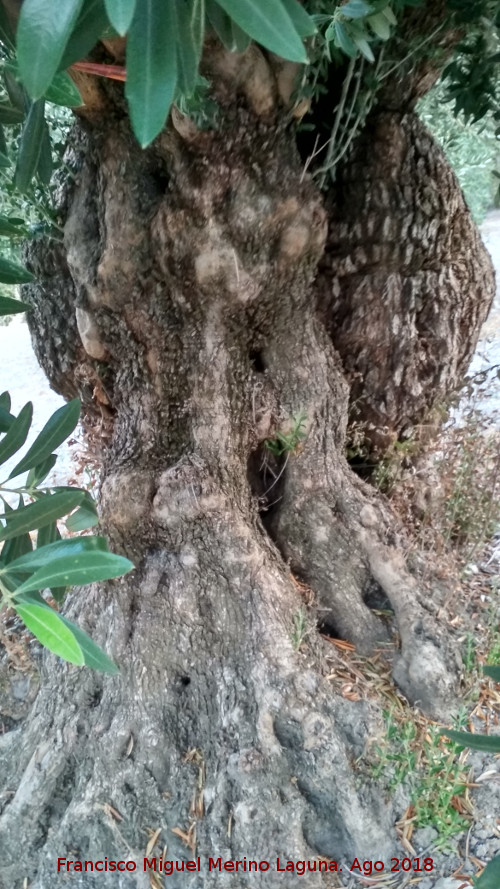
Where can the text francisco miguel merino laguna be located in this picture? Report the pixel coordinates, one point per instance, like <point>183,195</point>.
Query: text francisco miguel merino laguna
<point>171,867</point>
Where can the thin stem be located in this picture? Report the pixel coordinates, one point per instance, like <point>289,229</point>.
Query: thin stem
<point>338,118</point>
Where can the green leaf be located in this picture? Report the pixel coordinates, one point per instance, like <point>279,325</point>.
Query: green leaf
<point>73,570</point>
<point>51,631</point>
<point>48,534</point>
<point>39,472</point>
<point>303,23</point>
<point>486,743</point>
<point>151,67</point>
<point>490,877</point>
<point>267,22</point>
<point>85,516</point>
<point>95,658</point>
<point>16,547</point>
<point>17,93</point>
<point>9,306</point>
<point>355,9</point>
<point>55,431</point>
<point>17,434</point>
<point>363,45</point>
<point>343,39</point>
<point>36,515</point>
<point>44,168</point>
<point>5,401</point>
<point>120,14</point>
<point>388,13</point>
<point>30,146</point>
<point>43,556</point>
<point>380,26</point>
<point>6,419</point>
<point>492,671</point>
<point>228,32</point>
<point>10,115</point>
<point>190,26</point>
<point>43,31</point>
<point>63,91</point>
<point>90,26</point>
<point>8,228</point>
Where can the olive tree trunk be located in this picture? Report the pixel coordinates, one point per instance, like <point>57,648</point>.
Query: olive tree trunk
<point>182,306</point>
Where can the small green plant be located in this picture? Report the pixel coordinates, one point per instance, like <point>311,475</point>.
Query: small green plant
<point>416,757</point>
<point>490,877</point>
<point>469,656</point>
<point>287,442</point>
<point>300,628</point>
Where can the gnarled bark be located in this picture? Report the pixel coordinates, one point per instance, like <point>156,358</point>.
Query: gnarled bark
<point>402,296</point>
<point>192,266</point>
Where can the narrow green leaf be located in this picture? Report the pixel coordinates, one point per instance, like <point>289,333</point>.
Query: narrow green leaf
<point>58,593</point>
<point>30,146</point>
<point>16,547</point>
<point>343,39</point>
<point>17,434</point>
<point>388,13</point>
<point>36,515</point>
<point>355,9</point>
<point>55,431</point>
<point>486,743</point>
<point>43,31</point>
<point>6,418</point>
<point>90,26</point>
<point>44,168</point>
<point>363,46</point>
<point>228,32</point>
<point>85,516</point>
<point>151,67</point>
<point>75,570</point>
<point>10,115</point>
<point>5,401</point>
<point>63,91</point>
<point>8,228</point>
<point>120,14</point>
<point>303,23</point>
<point>48,534</point>
<point>490,877</point>
<point>42,556</point>
<point>95,658</point>
<point>40,471</point>
<point>17,93</point>
<point>269,24</point>
<point>492,671</point>
<point>51,631</point>
<point>11,274</point>
<point>380,26</point>
<point>189,43</point>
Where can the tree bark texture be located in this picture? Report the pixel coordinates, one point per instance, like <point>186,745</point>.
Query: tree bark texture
<point>405,282</point>
<point>187,280</point>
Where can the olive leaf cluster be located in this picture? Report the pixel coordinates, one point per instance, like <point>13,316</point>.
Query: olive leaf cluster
<point>34,556</point>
